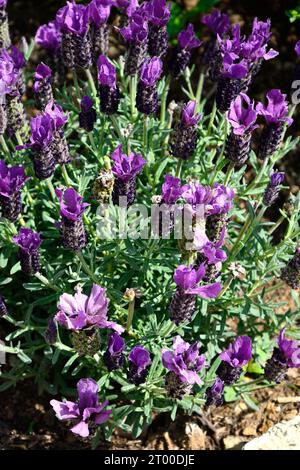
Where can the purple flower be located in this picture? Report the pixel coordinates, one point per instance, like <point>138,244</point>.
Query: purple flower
<point>3,3</point>
<point>127,167</point>
<point>215,393</point>
<point>171,190</point>
<point>41,131</point>
<point>222,199</point>
<point>137,29</point>
<point>81,311</point>
<point>151,71</point>
<point>57,115</point>
<point>86,104</point>
<point>73,18</point>
<point>42,73</point>
<point>51,332</point>
<point>98,12</point>
<point>85,411</point>
<point>218,22</point>
<point>49,36</point>
<point>194,193</point>
<point>277,108</point>
<point>255,47</point>
<point>11,179</point>
<point>9,74</point>
<point>28,240</point>
<point>297,49</point>
<point>290,350</point>
<point>17,58</point>
<point>188,116</point>
<point>234,70</point>
<point>188,278</point>
<point>107,75</point>
<point>71,205</point>
<point>139,360</point>
<point>113,356</point>
<point>158,12</point>
<point>129,6</point>
<point>185,361</point>
<point>87,116</point>
<point>187,39</point>
<point>242,115</point>
<point>239,353</point>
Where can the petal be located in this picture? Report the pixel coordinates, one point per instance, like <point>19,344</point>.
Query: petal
<point>81,429</point>
<point>65,409</point>
<point>102,417</point>
<point>206,292</point>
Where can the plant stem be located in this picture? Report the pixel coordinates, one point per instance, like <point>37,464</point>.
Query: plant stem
<point>77,88</point>
<point>258,177</point>
<point>130,315</point>
<point>212,118</point>
<point>179,168</point>
<point>93,143</point>
<point>228,174</point>
<point>220,157</point>
<point>51,189</point>
<point>145,133</point>
<point>4,145</point>
<point>132,86</point>
<point>46,282</point>
<point>22,221</point>
<point>19,138</point>
<point>116,127</point>
<point>276,225</point>
<point>86,268</point>
<point>91,83</point>
<point>164,102</point>
<point>200,87</point>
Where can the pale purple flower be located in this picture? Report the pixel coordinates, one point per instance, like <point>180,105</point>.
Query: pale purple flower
<point>290,350</point>
<point>171,190</point>
<point>188,278</point>
<point>297,49</point>
<point>41,131</point>
<point>277,108</point>
<point>98,12</point>
<point>42,73</point>
<point>218,22</point>
<point>49,36</point>
<point>80,311</point>
<point>151,71</point>
<point>58,117</point>
<point>28,240</point>
<point>71,205</point>
<point>188,115</point>
<point>137,29</point>
<point>17,57</point>
<point>9,73</point>
<point>158,12</point>
<point>222,199</point>
<point>139,361</point>
<point>234,70</point>
<point>242,115</point>
<point>126,167</point>
<point>11,179</point>
<point>185,361</point>
<point>85,411</point>
<point>239,353</point>
<point>196,194</point>
<point>129,6</point>
<point>73,18</point>
<point>187,38</point>
<point>106,72</point>
<point>113,356</point>
<point>3,3</point>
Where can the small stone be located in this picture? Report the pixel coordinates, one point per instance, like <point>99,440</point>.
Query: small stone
<point>231,442</point>
<point>250,431</point>
<point>282,436</point>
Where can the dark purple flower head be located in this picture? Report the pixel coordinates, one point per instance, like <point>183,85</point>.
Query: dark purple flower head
<point>86,104</point>
<point>171,190</point>
<point>41,131</point>
<point>188,115</point>
<point>73,18</point>
<point>187,39</point>
<point>188,278</point>
<point>242,115</point>
<point>276,178</point>
<point>290,350</point>
<point>17,57</point>
<point>11,179</point>
<point>127,167</point>
<point>297,49</point>
<point>107,74</point>
<point>98,12</point>
<point>194,193</point>
<point>255,46</point>
<point>234,70</point>
<point>71,205</point>
<point>277,108</point>
<point>140,357</point>
<point>42,73</point>
<point>129,6</point>
<point>214,255</point>
<point>218,387</point>
<point>28,240</point>
<point>137,29</point>
<point>185,361</point>
<point>79,311</point>
<point>58,117</point>
<point>158,12</point>
<point>151,71</point>
<point>218,22</point>
<point>85,411</point>
<point>49,36</point>
<point>239,353</point>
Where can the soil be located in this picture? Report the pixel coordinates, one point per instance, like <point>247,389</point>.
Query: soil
<point>28,422</point>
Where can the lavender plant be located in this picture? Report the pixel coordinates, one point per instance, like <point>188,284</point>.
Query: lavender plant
<point>146,265</point>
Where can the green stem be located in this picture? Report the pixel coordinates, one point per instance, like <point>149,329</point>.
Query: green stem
<point>164,102</point>
<point>19,138</point>
<point>226,286</point>
<point>258,177</point>
<point>91,83</point>
<point>212,118</point>
<point>86,268</point>
<point>277,224</point>
<point>145,133</point>
<point>51,189</point>
<point>46,282</point>
<point>93,143</point>
<point>130,315</point>
<point>220,157</point>
<point>65,175</point>
<point>179,168</point>
<point>4,145</point>
<point>116,127</point>
<point>132,86</point>
<point>200,87</point>
<point>77,87</point>
<point>22,221</point>
<point>228,174</point>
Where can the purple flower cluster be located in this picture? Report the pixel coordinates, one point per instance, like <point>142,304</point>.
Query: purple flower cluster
<point>184,137</point>
<point>184,364</point>
<point>125,169</point>
<point>98,13</point>
<point>12,179</point>
<point>234,358</point>
<point>147,96</point>
<point>5,40</point>
<point>71,225</point>
<point>158,14</point>
<point>86,411</point>
<point>87,115</point>
<point>139,362</point>
<point>108,89</point>
<point>285,355</point>
<point>42,86</point>
<point>113,356</point>
<point>49,37</point>
<point>272,191</point>
<point>29,243</point>
<point>187,41</point>
<point>136,35</point>
<point>291,272</point>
